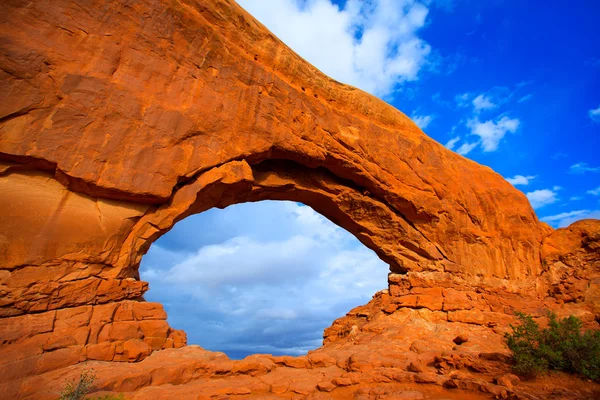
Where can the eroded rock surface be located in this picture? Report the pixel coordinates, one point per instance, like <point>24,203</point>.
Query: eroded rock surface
<point>118,119</point>
<point>126,105</point>
<point>387,349</point>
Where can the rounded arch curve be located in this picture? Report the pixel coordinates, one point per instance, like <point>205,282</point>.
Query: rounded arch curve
<point>392,238</point>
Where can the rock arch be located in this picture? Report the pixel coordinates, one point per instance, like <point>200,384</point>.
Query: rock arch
<point>131,113</point>
<point>120,118</point>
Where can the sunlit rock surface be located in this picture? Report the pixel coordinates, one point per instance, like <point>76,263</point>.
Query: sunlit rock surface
<point>117,119</point>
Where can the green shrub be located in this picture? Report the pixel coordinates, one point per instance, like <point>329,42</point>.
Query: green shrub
<point>561,346</point>
<point>77,390</point>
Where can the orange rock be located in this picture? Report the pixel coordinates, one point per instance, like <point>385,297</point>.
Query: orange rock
<point>112,131</point>
<point>254,365</point>
<point>136,350</point>
<point>460,339</point>
<point>340,381</point>
<point>426,200</point>
<point>281,387</point>
<point>326,386</point>
<point>426,377</point>
<point>145,311</point>
<point>467,316</point>
<point>416,367</point>
<point>293,362</point>
<point>59,341</point>
<point>456,300</point>
<point>303,387</point>
<point>179,338</point>
<point>508,380</point>
<point>104,351</point>
<point>320,359</point>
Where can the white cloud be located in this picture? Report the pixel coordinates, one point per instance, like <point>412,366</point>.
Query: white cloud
<point>387,52</point>
<point>525,98</point>
<point>462,100</point>
<point>581,168</point>
<point>595,115</point>
<point>520,180</point>
<point>216,265</point>
<point>276,313</point>
<point>452,142</point>
<point>541,198</point>
<point>466,148</point>
<point>483,102</point>
<point>491,132</point>
<point>422,121</point>
<point>493,98</point>
<point>564,215</point>
<point>247,289</point>
<point>594,192</point>
<point>567,218</point>
<point>575,198</point>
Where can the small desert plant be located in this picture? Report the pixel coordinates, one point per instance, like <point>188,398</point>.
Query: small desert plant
<point>561,346</point>
<point>76,390</point>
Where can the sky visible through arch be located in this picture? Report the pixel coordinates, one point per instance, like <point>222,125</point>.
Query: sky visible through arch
<point>265,277</point>
<point>510,84</point>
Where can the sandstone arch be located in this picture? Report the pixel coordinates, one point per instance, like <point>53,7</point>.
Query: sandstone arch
<point>119,118</point>
<point>132,115</point>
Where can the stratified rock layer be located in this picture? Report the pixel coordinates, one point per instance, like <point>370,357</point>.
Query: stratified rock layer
<point>118,119</point>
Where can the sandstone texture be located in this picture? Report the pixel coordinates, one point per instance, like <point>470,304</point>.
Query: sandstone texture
<point>120,118</point>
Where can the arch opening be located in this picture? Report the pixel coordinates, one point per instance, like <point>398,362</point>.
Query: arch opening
<point>261,277</point>
<point>375,223</point>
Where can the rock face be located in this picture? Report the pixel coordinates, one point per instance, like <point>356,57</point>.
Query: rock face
<point>118,119</point>
<point>111,111</point>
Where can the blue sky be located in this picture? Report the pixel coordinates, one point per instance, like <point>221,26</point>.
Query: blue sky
<point>263,277</point>
<point>510,84</point>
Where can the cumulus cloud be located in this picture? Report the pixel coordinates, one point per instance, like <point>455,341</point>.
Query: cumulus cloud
<point>594,192</point>
<point>372,45</point>
<point>595,115</point>
<point>483,102</point>
<point>491,132</point>
<point>422,121</point>
<point>452,142</point>
<point>271,262</point>
<point>520,180</point>
<point>489,100</point>
<point>245,288</point>
<point>581,168</point>
<point>567,218</point>
<point>541,198</point>
<point>466,148</point>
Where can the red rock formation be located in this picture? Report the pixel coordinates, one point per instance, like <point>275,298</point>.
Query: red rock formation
<point>123,112</point>
<point>117,119</point>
